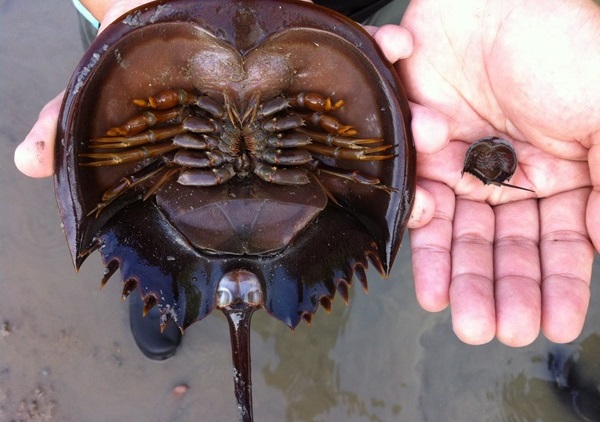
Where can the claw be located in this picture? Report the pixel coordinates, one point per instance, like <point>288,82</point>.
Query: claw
<point>363,154</point>
<point>357,177</point>
<point>144,121</point>
<point>164,179</point>
<point>330,124</point>
<point>340,141</point>
<point>147,137</point>
<point>124,185</point>
<point>347,131</point>
<point>166,99</point>
<point>115,158</point>
<point>314,102</point>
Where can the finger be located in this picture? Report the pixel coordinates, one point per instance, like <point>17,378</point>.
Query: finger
<point>35,155</point>
<point>430,129</point>
<point>395,41</point>
<point>593,205</point>
<point>430,250</point>
<point>567,256</point>
<point>423,209</point>
<point>593,218</point>
<point>472,286</point>
<point>517,273</point>
<point>446,166</point>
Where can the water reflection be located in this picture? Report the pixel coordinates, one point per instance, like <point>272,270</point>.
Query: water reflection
<point>346,364</point>
<point>497,383</point>
<point>576,377</point>
<point>305,370</point>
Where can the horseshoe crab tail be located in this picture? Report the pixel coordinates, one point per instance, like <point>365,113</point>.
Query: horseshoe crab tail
<point>239,331</point>
<point>239,294</point>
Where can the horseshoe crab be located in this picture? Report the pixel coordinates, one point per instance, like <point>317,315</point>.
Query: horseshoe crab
<point>235,154</point>
<point>492,160</point>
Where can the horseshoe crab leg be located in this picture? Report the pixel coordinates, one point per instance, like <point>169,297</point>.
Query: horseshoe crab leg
<point>239,294</point>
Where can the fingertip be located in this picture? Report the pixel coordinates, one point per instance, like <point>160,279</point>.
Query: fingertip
<point>564,334</point>
<point>423,209</point>
<point>565,305</point>
<point>433,300</point>
<point>474,332</point>
<point>395,42</point>
<point>472,309</point>
<point>518,314</point>
<point>34,157</point>
<point>518,341</point>
<point>518,335</point>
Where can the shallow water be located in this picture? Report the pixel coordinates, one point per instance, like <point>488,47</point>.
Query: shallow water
<point>66,353</point>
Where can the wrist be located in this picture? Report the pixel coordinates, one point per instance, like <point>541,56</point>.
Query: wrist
<point>86,13</point>
<point>105,11</point>
<point>93,9</point>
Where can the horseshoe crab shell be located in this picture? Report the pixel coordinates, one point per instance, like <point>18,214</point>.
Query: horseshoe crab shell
<point>296,245</point>
<point>164,44</point>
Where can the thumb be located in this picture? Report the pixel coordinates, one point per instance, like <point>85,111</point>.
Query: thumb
<point>430,129</point>
<point>34,157</point>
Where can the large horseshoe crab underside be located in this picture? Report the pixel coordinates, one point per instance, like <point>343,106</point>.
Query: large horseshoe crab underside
<point>313,190</point>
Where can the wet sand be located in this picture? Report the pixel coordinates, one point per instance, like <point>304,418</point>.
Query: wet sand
<point>66,353</point>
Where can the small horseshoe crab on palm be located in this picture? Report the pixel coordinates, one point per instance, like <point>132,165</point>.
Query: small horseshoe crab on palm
<point>492,160</point>
<point>235,154</point>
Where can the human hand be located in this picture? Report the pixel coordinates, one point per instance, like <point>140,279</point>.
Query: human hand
<point>507,261</point>
<point>35,155</point>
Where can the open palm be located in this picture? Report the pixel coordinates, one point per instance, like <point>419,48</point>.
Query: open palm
<point>508,261</point>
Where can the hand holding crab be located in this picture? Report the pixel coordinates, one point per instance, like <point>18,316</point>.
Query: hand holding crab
<point>559,170</point>
<point>507,262</point>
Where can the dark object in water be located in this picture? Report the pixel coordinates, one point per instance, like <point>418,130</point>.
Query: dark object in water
<point>577,383</point>
<point>492,160</point>
<point>200,152</point>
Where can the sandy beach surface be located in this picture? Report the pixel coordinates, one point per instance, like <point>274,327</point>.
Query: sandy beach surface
<point>66,353</point>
